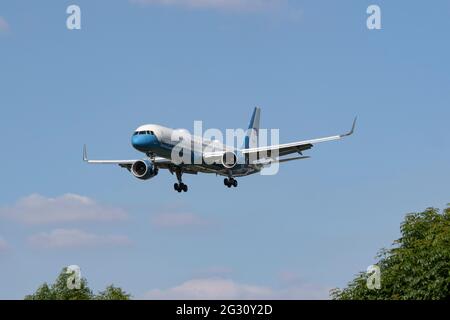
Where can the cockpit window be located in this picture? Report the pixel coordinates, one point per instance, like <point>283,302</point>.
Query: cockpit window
<point>144,132</point>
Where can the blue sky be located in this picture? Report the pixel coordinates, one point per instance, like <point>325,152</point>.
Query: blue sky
<point>310,65</point>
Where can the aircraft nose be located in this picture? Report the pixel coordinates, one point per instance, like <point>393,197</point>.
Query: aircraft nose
<point>144,142</point>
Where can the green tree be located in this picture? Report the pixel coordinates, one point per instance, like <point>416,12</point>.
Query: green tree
<point>416,267</point>
<point>113,293</point>
<point>44,292</point>
<point>61,291</point>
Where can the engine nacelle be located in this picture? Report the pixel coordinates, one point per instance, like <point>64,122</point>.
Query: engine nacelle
<point>229,160</point>
<point>143,170</point>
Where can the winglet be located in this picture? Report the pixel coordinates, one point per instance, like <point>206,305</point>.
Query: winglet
<point>85,158</point>
<point>352,130</point>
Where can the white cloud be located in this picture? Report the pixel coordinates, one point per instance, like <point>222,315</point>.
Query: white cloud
<point>226,289</point>
<point>212,288</point>
<point>178,220</point>
<point>74,238</point>
<point>4,26</point>
<point>228,5</point>
<point>37,209</point>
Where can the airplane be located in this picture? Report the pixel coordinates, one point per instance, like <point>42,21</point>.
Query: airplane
<point>157,143</point>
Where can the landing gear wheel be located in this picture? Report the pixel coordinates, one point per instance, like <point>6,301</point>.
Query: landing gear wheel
<point>180,187</point>
<point>230,182</point>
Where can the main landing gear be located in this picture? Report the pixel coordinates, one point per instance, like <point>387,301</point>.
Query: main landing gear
<point>180,186</point>
<point>230,182</point>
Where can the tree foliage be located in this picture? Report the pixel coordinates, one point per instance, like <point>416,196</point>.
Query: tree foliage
<point>113,293</point>
<point>416,267</point>
<point>61,291</point>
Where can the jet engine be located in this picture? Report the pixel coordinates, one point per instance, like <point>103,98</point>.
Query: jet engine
<point>144,170</point>
<point>228,160</point>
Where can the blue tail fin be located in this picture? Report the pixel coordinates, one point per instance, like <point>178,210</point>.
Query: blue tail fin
<point>251,140</point>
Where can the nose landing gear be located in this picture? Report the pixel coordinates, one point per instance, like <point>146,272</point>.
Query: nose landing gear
<point>230,182</point>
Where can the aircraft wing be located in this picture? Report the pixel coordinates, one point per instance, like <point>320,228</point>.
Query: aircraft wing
<point>295,147</point>
<point>161,162</point>
<point>269,161</point>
